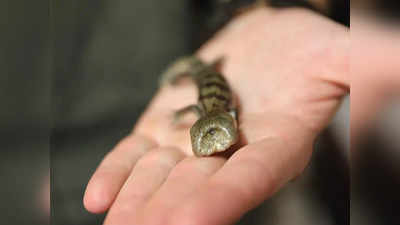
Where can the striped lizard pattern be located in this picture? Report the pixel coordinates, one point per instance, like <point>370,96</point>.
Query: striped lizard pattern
<point>216,127</point>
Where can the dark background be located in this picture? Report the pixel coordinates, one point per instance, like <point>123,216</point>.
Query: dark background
<point>25,80</point>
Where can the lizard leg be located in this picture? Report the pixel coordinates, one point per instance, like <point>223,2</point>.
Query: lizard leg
<point>188,109</point>
<point>234,113</point>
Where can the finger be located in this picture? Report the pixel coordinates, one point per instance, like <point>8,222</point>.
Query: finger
<point>185,179</point>
<point>249,177</point>
<point>111,174</point>
<point>148,175</point>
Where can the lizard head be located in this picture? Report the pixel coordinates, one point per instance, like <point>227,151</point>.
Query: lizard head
<point>213,133</point>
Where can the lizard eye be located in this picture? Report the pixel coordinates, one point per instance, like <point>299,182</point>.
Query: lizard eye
<point>212,131</point>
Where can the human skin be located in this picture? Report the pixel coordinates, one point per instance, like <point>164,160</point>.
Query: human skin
<point>289,70</point>
<point>375,70</point>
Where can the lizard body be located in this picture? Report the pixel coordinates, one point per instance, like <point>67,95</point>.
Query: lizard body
<point>216,129</point>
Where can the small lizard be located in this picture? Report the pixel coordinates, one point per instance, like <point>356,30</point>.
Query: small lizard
<point>216,129</point>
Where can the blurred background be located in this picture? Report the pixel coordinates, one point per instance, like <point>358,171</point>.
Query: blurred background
<point>25,81</point>
<point>75,76</point>
<point>375,112</point>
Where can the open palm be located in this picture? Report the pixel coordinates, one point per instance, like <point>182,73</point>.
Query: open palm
<point>288,69</point>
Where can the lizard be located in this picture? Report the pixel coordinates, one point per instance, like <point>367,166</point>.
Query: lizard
<point>216,129</point>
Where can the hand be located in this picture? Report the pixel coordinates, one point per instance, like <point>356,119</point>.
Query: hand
<point>289,70</point>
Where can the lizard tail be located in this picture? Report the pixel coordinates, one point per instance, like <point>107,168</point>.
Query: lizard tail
<point>184,66</point>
